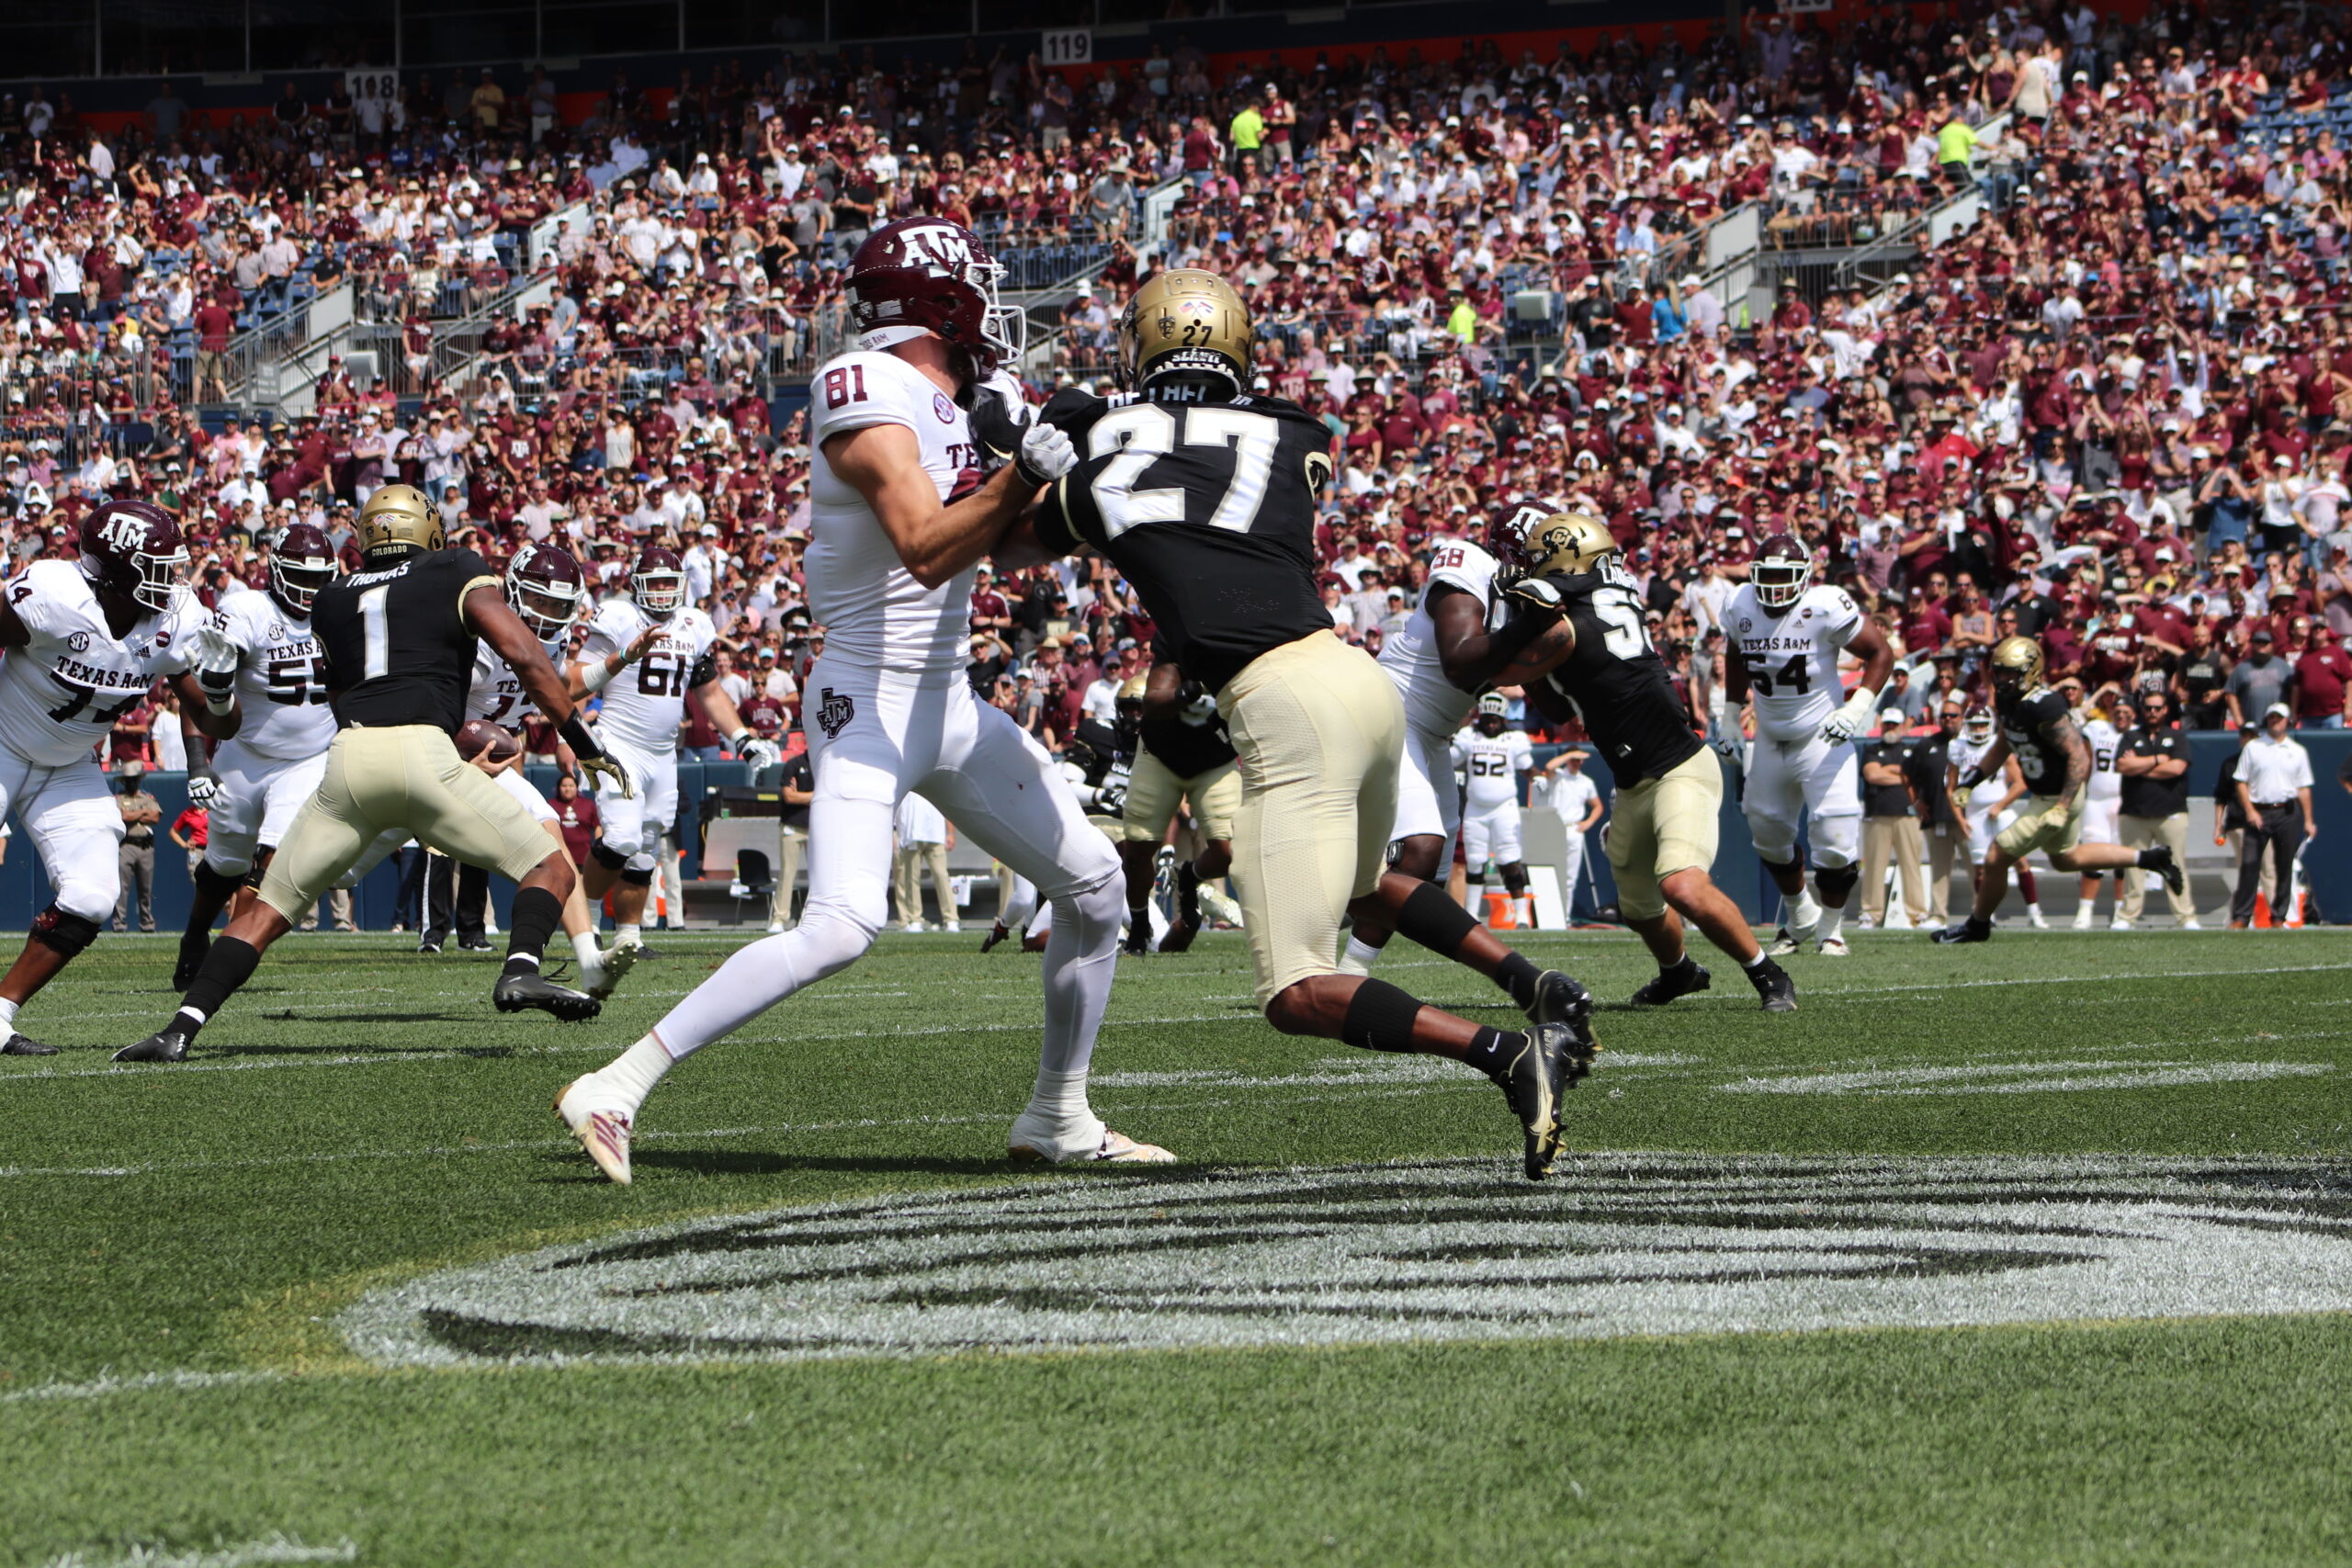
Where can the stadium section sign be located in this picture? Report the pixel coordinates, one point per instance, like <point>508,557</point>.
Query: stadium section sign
<point>1622,1245</point>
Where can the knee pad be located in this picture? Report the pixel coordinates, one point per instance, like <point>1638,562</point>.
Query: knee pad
<point>220,882</point>
<point>63,931</point>
<point>1837,843</point>
<point>603,854</point>
<point>1515,878</point>
<point>638,875</point>
<point>1838,883</point>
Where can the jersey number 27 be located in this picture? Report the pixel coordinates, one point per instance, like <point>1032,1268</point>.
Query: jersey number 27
<point>1142,433</point>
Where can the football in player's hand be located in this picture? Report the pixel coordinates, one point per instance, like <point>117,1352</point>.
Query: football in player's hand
<point>479,735</point>
<point>1551,645</point>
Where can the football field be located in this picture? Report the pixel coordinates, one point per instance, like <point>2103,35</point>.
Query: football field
<point>2034,1252</point>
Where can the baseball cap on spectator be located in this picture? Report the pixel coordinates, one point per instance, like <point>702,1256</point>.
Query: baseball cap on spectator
<point>2278,710</point>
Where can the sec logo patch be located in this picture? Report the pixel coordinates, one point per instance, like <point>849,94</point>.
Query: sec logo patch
<point>942,407</point>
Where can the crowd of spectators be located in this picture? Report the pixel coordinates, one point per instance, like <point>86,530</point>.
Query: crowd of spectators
<point>2111,413</point>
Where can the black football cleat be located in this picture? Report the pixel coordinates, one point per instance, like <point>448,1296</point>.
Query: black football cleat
<point>1559,1000</point>
<point>1532,1083</point>
<point>518,993</point>
<point>1679,981</point>
<point>1138,939</point>
<point>25,1045</point>
<point>1969,930</point>
<point>997,933</point>
<point>194,946</point>
<point>1773,987</point>
<point>170,1045</point>
<point>432,947</point>
<point>2160,861</point>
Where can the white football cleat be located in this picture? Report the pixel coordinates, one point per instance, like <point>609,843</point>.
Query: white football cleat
<point>1834,947</point>
<point>1783,942</point>
<point>1036,1137</point>
<point>611,969</point>
<point>603,1130</point>
<point>2033,918</point>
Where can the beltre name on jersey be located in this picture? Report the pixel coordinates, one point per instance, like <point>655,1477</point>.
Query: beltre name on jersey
<point>1791,659</point>
<point>874,612</point>
<point>643,708</point>
<point>1434,705</point>
<point>281,679</point>
<point>63,689</point>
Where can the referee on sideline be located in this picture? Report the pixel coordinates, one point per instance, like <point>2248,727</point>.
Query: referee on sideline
<point>2274,792</point>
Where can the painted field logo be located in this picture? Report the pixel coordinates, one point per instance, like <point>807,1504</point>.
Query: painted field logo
<point>1390,1254</point>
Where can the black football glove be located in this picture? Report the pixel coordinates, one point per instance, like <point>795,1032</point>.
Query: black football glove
<point>997,424</point>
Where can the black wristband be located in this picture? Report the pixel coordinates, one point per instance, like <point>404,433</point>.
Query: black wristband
<point>575,733</point>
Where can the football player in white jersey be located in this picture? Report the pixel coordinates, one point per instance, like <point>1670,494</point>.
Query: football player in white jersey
<point>86,640</point>
<point>260,779</point>
<point>1786,635</point>
<point>901,515</point>
<point>643,654</point>
<point>2102,804</point>
<point>1985,809</point>
<point>1456,641</point>
<point>1494,759</point>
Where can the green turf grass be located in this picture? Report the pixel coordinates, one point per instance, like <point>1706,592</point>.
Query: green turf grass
<point>359,1115</point>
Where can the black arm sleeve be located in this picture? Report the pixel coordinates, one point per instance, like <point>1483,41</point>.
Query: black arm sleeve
<point>705,672</point>
<point>1056,532</point>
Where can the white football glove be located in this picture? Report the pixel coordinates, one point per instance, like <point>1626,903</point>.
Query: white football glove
<point>1045,454</point>
<point>757,753</point>
<point>1853,718</point>
<point>203,789</point>
<point>1196,704</point>
<point>1730,748</point>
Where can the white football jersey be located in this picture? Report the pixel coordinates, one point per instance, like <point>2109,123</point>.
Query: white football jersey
<point>281,679</point>
<point>1965,754</point>
<point>497,693</point>
<point>62,692</point>
<point>1791,659</point>
<point>1432,704</point>
<point>1490,767</point>
<point>2106,784</point>
<point>644,705</point>
<point>873,610</point>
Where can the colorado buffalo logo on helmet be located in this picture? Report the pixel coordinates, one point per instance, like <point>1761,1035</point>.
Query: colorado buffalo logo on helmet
<point>834,713</point>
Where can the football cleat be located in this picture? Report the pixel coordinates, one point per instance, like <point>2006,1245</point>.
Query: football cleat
<point>1833,947</point>
<point>1773,988</point>
<point>1559,1000</point>
<point>517,993</point>
<point>1969,930</point>
<point>2168,868</point>
<point>2083,913</point>
<point>1138,935</point>
<point>1033,1140</point>
<point>170,1045</point>
<point>1532,1082</point>
<point>611,969</point>
<point>1783,943</point>
<point>25,1045</point>
<point>432,947</point>
<point>1681,981</point>
<point>194,946</point>
<point>2033,918</point>
<point>603,1130</point>
<point>997,933</point>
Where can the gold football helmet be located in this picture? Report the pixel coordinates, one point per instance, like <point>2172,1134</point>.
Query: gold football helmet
<point>400,518</point>
<point>1562,544</point>
<point>1185,322</point>
<point>1131,689</point>
<point>2019,658</point>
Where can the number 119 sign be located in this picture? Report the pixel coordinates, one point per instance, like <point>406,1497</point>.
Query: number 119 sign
<point>1070,46</point>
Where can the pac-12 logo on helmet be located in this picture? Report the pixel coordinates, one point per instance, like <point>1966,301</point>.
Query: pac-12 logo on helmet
<point>545,586</point>
<point>133,549</point>
<point>657,582</point>
<point>1781,572</point>
<point>301,564</point>
<point>926,275</point>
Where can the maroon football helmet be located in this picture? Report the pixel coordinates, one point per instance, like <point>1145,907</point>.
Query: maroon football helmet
<point>929,274</point>
<point>134,548</point>
<point>1781,572</point>
<point>303,563</point>
<point>545,586</point>
<point>657,582</point>
<point>1508,527</point>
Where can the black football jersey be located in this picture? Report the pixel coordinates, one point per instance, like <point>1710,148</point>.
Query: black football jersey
<point>1208,510</point>
<point>1619,684</point>
<point>2026,723</point>
<point>395,640</point>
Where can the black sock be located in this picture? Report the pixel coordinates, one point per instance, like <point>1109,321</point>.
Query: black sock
<point>1518,976</point>
<point>1495,1049</point>
<point>535,917</point>
<point>229,966</point>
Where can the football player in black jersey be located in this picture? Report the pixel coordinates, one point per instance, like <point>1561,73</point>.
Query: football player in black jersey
<point>1600,668</point>
<point>2039,731</point>
<point>398,637</point>
<point>1186,757</point>
<point>1204,497</point>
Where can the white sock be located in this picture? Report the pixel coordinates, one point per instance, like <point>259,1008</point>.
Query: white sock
<point>1760,958</point>
<point>7,1013</point>
<point>1060,1096</point>
<point>584,949</point>
<point>1361,954</point>
<point>1832,916</point>
<point>635,1070</point>
<point>627,935</point>
<point>1805,915</point>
